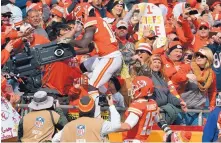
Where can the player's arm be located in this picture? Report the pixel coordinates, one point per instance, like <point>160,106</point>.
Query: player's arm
<point>85,50</point>
<point>87,38</point>
<point>132,119</point>
<point>130,122</point>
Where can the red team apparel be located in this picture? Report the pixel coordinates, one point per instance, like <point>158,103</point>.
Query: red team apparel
<point>109,59</point>
<point>104,39</point>
<point>147,110</point>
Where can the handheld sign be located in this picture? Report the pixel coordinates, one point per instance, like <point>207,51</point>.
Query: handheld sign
<point>10,120</point>
<point>203,2</point>
<point>151,16</point>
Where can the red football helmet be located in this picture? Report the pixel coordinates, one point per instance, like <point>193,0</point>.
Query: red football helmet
<point>141,86</point>
<point>81,9</point>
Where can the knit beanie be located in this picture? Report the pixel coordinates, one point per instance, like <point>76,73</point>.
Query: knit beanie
<point>174,45</point>
<point>118,2</point>
<point>86,105</point>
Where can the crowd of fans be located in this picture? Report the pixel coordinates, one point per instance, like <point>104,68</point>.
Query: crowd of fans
<point>186,70</point>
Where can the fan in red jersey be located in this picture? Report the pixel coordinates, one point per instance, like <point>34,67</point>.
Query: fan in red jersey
<point>142,113</point>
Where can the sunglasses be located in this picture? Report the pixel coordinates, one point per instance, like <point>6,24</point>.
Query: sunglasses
<point>122,27</point>
<point>151,38</point>
<point>200,55</point>
<point>188,56</point>
<point>6,15</point>
<point>203,27</point>
<point>142,51</point>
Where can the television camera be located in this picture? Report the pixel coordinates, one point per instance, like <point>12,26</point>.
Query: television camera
<point>26,65</point>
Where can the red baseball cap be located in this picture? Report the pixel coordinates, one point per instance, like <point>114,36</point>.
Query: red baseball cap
<point>214,4</point>
<point>192,2</point>
<point>203,23</point>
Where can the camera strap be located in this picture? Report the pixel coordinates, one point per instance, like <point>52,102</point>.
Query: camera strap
<point>52,119</point>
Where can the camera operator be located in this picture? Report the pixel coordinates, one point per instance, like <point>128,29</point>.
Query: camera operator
<point>87,128</point>
<point>41,124</point>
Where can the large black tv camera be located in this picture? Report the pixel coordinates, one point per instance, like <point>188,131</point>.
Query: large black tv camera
<point>26,64</point>
<point>32,58</point>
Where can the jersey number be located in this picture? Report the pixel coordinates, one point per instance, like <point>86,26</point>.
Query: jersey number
<point>217,60</point>
<point>112,36</point>
<point>150,119</point>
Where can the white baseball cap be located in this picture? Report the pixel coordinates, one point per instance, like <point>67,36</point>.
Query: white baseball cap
<point>5,9</point>
<point>122,23</point>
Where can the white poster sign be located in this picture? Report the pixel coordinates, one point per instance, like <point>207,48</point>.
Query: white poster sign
<point>10,120</point>
<point>151,16</point>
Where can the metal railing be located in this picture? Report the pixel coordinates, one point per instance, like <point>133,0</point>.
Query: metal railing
<point>200,116</point>
<point>120,109</point>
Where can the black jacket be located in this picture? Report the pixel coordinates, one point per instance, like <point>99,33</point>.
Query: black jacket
<point>162,94</point>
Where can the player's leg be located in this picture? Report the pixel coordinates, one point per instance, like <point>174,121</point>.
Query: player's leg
<point>105,68</point>
<point>89,64</point>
